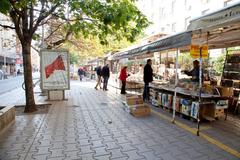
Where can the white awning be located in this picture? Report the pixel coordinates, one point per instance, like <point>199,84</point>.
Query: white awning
<point>224,17</point>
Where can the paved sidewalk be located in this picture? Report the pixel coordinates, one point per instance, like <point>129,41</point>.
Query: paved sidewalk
<point>93,125</point>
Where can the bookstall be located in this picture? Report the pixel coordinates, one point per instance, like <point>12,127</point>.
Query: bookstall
<point>220,29</point>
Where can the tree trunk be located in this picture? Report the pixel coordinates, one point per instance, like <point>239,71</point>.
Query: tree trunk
<point>29,95</point>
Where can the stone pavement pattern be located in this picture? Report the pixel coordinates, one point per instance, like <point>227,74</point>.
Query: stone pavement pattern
<point>93,125</point>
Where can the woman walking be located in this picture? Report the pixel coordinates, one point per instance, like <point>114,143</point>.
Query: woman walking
<point>123,77</point>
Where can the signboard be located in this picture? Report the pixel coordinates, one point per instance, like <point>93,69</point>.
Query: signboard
<point>55,69</point>
<point>195,51</point>
<point>220,18</point>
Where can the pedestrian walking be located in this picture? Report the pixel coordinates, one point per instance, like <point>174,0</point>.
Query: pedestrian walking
<point>80,73</point>
<point>123,77</point>
<point>147,77</point>
<point>98,71</point>
<point>105,74</point>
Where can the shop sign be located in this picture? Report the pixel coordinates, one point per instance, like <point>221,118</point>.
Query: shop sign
<point>55,69</point>
<point>195,51</point>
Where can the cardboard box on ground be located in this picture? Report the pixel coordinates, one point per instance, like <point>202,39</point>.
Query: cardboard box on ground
<point>136,106</point>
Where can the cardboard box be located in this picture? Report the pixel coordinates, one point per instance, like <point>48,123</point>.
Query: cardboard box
<point>226,91</point>
<point>140,111</point>
<point>134,101</point>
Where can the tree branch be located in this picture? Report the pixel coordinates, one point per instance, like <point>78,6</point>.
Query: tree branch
<point>16,22</point>
<point>54,30</point>
<point>31,16</point>
<point>6,26</point>
<point>62,40</point>
<point>35,48</point>
<point>43,16</point>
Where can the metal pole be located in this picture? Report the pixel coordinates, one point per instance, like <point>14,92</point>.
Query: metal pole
<point>200,92</point>
<point>175,87</point>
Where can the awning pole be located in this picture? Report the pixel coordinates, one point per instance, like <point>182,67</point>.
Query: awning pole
<point>200,92</point>
<point>175,86</point>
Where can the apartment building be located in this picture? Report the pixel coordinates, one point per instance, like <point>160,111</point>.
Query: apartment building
<point>7,47</point>
<point>173,16</point>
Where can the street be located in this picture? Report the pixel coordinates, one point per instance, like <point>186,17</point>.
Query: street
<point>12,87</point>
<point>9,84</point>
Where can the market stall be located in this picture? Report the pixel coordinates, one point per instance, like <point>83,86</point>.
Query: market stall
<point>220,29</point>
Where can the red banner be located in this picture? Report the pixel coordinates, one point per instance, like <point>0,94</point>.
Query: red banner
<point>57,64</point>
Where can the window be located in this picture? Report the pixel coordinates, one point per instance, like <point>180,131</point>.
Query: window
<point>173,6</point>
<point>205,11</point>
<point>227,3</point>
<point>186,22</point>
<point>187,5</point>
<point>174,27</point>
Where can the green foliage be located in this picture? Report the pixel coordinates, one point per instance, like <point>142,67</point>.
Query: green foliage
<point>74,58</point>
<point>219,64</point>
<point>5,6</point>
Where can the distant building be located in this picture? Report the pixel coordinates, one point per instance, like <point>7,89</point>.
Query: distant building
<point>172,16</point>
<point>7,47</point>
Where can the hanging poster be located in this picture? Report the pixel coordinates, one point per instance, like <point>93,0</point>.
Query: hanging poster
<point>55,69</point>
<point>195,51</point>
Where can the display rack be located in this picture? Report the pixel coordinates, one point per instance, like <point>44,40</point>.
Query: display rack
<point>231,76</point>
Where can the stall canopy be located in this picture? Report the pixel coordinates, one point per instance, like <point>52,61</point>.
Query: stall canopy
<point>165,43</point>
<point>170,42</point>
<point>219,29</point>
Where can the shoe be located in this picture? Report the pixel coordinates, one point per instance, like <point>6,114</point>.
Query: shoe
<point>106,89</point>
<point>96,88</point>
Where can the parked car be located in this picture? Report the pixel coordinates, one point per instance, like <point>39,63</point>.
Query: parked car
<point>1,75</point>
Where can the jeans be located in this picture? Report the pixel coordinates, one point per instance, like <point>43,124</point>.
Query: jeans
<point>105,82</point>
<point>98,82</point>
<point>123,89</point>
<point>146,92</point>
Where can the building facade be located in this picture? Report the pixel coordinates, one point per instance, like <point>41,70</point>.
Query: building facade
<point>7,47</point>
<point>173,16</point>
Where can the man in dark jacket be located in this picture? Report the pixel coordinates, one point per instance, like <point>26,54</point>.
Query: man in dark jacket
<point>147,77</point>
<point>105,74</point>
<point>98,71</point>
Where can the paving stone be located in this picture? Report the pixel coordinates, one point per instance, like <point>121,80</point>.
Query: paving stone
<point>127,147</point>
<point>100,151</point>
<point>57,158</point>
<point>112,145</point>
<point>133,155</point>
<point>86,149</point>
<point>142,148</point>
<point>150,155</point>
<point>86,156</point>
<point>96,144</point>
<point>122,140</point>
<point>83,136</point>
<point>72,154</point>
<point>121,158</point>
<point>70,147</point>
<point>40,157</point>
<point>57,145</point>
<point>136,141</point>
<point>116,153</point>
<point>56,153</point>
<point>108,139</point>
<point>70,140</point>
<point>42,150</point>
<point>105,157</point>
<point>167,156</point>
<point>45,143</point>
<point>84,142</point>
<point>95,137</point>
